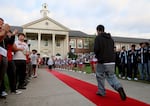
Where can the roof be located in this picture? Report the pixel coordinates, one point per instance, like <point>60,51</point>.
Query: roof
<point>73,33</point>
<point>42,19</point>
<point>19,28</point>
<point>129,40</point>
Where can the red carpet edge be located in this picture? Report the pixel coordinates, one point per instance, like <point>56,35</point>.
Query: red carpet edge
<point>88,90</point>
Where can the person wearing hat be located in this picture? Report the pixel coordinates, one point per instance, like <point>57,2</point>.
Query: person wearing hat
<point>20,60</point>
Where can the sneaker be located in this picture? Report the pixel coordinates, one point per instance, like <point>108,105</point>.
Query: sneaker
<point>122,93</point>
<point>4,94</point>
<point>128,78</point>
<point>80,71</point>
<point>123,77</point>
<point>119,75</point>
<point>35,76</point>
<point>99,94</point>
<point>135,79</point>
<point>17,92</point>
<point>84,72</point>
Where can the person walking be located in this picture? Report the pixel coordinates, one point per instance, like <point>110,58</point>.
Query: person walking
<point>104,52</point>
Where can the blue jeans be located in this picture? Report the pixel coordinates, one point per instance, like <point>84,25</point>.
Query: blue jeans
<point>143,70</point>
<point>106,72</point>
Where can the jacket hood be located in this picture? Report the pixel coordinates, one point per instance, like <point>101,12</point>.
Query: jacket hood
<point>106,35</point>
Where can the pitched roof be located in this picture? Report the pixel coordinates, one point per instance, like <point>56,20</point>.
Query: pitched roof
<point>73,33</point>
<point>19,28</point>
<point>42,19</point>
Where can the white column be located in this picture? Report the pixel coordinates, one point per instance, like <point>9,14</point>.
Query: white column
<point>53,44</point>
<point>39,42</point>
<point>67,44</point>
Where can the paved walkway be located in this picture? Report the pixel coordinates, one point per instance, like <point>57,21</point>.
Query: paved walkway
<point>47,90</point>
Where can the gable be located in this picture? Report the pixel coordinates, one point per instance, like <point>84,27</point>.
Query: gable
<point>45,23</point>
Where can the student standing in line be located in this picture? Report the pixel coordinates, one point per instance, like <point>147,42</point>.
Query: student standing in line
<point>50,63</point>
<point>34,60</point>
<point>4,28</point>
<point>20,60</point>
<point>132,63</point>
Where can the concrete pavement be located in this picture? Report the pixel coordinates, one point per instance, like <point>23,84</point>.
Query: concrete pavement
<point>47,90</point>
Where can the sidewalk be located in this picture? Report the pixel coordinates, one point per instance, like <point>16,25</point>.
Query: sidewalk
<point>47,90</point>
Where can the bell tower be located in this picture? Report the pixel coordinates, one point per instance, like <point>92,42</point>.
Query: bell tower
<point>44,11</point>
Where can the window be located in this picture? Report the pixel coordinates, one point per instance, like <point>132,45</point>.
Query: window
<point>58,43</point>
<point>80,43</point>
<point>86,43</point>
<point>73,43</point>
<point>45,42</point>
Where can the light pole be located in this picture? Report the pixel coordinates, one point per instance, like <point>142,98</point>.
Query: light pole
<point>29,44</point>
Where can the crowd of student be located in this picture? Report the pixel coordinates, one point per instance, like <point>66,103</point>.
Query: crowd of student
<point>134,63</point>
<point>78,64</point>
<point>16,61</point>
<point>20,64</point>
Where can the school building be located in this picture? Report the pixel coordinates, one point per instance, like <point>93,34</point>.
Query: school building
<point>51,38</point>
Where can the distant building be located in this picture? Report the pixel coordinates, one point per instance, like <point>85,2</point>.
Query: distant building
<point>49,37</point>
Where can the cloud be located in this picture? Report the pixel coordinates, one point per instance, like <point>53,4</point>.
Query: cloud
<point>118,16</point>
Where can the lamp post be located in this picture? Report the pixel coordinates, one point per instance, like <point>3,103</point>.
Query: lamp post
<point>29,44</point>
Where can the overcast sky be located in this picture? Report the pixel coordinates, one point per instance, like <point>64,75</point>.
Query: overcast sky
<point>130,18</point>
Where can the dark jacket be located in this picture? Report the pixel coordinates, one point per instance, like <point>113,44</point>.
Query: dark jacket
<point>7,40</point>
<point>132,56</point>
<point>124,57</point>
<point>117,59</point>
<point>145,55</point>
<point>104,48</point>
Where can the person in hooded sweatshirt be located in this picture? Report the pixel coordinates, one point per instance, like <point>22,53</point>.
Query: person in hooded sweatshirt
<point>104,52</point>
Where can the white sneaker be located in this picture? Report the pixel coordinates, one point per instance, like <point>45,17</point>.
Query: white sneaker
<point>119,75</point>
<point>84,72</point>
<point>17,92</point>
<point>135,79</point>
<point>80,71</point>
<point>4,93</point>
<point>123,77</point>
<point>128,78</point>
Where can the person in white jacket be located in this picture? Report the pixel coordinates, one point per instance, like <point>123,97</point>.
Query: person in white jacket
<point>50,62</point>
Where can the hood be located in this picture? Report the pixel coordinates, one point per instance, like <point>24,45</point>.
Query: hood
<point>106,35</point>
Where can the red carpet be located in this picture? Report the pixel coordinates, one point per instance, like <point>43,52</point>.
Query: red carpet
<point>88,90</point>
